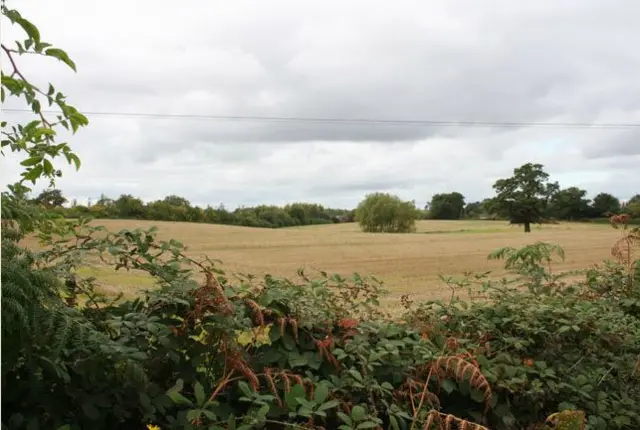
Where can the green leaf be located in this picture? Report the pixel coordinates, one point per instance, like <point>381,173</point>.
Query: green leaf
<point>29,28</point>
<point>199,393</point>
<point>477,395</point>
<point>329,405</point>
<point>305,411</point>
<point>263,411</point>
<point>321,393</point>
<point>394,422</point>
<point>178,386</point>
<point>345,418</point>
<point>291,398</point>
<point>74,158</point>
<point>357,413</point>
<point>449,385</point>
<point>34,173</point>
<point>244,387</point>
<point>48,167</point>
<point>62,56</point>
<point>31,161</point>
<point>296,359</point>
<point>178,398</point>
<point>231,422</point>
<point>194,414</point>
<point>357,376</point>
<point>367,425</point>
<point>36,107</point>
<point>40,46</point>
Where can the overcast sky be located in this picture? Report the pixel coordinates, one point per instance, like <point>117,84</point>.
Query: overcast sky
<point>448,60</point>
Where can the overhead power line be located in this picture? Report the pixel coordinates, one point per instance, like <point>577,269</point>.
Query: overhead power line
<point>352,121</point>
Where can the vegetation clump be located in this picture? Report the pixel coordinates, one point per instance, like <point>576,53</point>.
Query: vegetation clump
<point>386,213</point>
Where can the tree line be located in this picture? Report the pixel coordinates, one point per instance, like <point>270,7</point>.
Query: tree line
<point>176,208</point>
<point>525,198</point>
<point>569,204</point>
<point>554,203</point>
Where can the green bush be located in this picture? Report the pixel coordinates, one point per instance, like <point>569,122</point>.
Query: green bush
<point>385,213</point>
<point>547,345</point>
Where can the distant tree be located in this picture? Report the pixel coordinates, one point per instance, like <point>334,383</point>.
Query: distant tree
<point>474,210</point>
<point>194,214</point>
<point>524,197</point>
<point>210,215</point>
<point>632,206</point>
<point>634,199</point>
<point>446,206</point>
<point>633,209</point>
<point>104,201</point>
<point>51,198</point>
<point>349,216</point>
<point>570,204</point>
<point>174,200</point>
<point>297,212</point>
<point>130,207</point>
<point>386,213</point>
<point>223,216</point>
<point>603,204</point>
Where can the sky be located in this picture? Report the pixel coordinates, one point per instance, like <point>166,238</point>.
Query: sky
<point>438,60</point>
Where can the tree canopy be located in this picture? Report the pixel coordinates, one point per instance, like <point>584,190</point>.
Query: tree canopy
<point>570,204</point>
<point>51,198</point>
<point>524,197</point>
<point>386,213</point>
<point>605,203</point>
<point>447,206</point>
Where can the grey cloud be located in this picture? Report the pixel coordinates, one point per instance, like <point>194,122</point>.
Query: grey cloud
<point>625,143</point>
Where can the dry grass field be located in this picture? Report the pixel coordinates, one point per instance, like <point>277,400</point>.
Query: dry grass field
<point>407,263</point>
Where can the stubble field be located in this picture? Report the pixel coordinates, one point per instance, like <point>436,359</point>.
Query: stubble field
<point>407,263</point>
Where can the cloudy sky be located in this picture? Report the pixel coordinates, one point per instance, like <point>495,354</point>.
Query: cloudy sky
<point>445,60</point>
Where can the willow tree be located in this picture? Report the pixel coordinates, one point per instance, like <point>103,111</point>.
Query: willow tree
<point>386,213</point>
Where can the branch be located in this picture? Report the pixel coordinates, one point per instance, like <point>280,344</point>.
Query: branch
<point>16,71</point>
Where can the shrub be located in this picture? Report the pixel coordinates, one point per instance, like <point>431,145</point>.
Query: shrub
<point>385,213</point>
<point>547,345</point>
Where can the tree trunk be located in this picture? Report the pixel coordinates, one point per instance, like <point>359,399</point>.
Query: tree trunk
<point>527,227</point>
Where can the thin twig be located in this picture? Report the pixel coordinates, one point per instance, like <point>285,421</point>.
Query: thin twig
<point>221,385</point>
<point>422,397</point>
<point>16,71</point>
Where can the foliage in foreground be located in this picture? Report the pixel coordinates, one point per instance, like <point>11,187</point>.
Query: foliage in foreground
<point>223,352</point>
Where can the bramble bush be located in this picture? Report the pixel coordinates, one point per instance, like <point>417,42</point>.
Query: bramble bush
<point>209,349</point>
<point>241,352</point>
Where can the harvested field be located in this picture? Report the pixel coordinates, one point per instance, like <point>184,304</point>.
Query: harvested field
<point>407,263</point>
